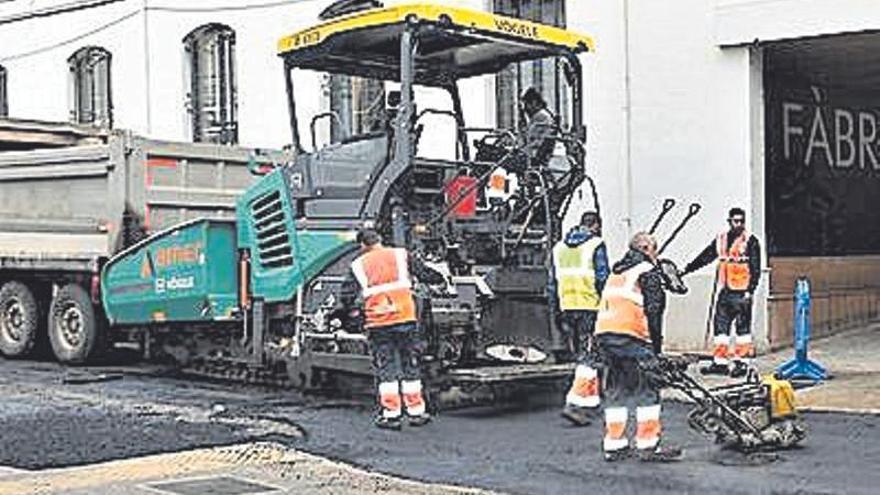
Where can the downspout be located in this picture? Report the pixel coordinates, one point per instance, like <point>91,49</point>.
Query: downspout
<point>627,165</point>
<point>149,104</point>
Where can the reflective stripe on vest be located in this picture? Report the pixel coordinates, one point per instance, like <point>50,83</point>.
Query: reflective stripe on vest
<point>733,264</point>
<point>622,308</point>
<point>576,275</point>
<point>383,275</point>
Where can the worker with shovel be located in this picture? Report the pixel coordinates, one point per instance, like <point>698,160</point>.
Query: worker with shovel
<point>739,269</point>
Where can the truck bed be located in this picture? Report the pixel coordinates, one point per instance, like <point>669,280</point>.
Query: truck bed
<point>66,207</point>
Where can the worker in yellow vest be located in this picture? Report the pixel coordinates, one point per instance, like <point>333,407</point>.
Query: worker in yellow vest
<point>581,267</point>
<point>739,269</point>
<point>389,315</point>
<point>629,337</point>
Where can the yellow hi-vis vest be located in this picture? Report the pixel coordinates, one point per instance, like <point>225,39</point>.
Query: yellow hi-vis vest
<point>576,275</point>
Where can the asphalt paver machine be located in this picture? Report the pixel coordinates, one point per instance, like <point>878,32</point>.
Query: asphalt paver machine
<point>259,297</point>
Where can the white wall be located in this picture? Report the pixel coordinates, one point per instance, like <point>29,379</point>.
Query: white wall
<point>149,79</point>
<point>665,132</point>
<point>262,104</point>
<point>688,135</point>
<point>35,54</point>
<point>744,21</point>
<point>605,115</point>
<point>695,129</point>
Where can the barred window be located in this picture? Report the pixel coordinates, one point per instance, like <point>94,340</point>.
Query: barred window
<point>212,98</point>
<point>544,75</point>
<point>358,102</point>
<point>4,103</point>
<point>90,87</point>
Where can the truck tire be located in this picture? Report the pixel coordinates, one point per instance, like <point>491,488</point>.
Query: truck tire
<point>75,331</point>
<point>19,320</point>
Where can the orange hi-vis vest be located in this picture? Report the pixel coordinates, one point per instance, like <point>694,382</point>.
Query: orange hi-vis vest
<point>499,185</point>
<point>733,264</point>
<point>622,308</point>
<point>383,275</point>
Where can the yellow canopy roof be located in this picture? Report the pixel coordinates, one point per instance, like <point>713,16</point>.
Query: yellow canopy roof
<point>455,43</point>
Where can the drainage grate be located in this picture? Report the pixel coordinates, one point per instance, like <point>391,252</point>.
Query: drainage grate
<point>222,485</point>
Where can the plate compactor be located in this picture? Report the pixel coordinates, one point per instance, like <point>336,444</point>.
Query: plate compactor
<point>752,415</point>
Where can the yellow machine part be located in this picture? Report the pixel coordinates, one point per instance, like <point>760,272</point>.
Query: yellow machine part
<point>476,20</point>
<point>782,400</point>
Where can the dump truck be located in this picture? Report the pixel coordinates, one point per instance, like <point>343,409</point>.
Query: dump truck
<point>231,261</point>
<point>73,197</point>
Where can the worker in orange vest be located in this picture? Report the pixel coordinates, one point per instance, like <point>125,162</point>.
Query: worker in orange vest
<point>629,337</point>
<point>382,275</point>
<point>739,270</point>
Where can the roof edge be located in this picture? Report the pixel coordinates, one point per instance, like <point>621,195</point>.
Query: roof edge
<point>474,19</point>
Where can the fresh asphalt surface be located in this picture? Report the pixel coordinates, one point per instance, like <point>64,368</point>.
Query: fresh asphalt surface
<point>518,448</point>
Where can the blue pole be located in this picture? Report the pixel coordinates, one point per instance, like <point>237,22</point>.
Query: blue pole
<point>802,318</point>
<point>801,366</point>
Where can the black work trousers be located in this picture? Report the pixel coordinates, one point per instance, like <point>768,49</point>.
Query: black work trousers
<point>732,307</point>
<point>627,382</point>
<point>397,352</point>
<point>577,328</point>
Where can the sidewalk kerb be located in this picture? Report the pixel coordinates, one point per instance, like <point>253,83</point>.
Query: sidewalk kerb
<point>838,410</point>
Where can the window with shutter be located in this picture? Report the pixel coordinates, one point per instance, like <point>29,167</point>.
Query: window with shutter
<point>91,101</point>
<point>212,102</point>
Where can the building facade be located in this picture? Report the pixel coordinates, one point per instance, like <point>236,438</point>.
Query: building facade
<point>764,104</point>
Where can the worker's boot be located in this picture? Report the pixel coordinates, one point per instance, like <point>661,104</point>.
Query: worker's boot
<point>715,369</point>
<point>577,416</point>
<point>738,369</point>
<point>617,455</point>
<point>388,423</point>
<point>420,420</point>
<point>661,453</point>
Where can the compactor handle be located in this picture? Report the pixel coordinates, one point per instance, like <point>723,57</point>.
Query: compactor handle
<point>692,212</point>
<point>668,205</point>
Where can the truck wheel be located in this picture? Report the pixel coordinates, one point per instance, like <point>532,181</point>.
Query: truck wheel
<point>74,330</point>
<point>19,317</point>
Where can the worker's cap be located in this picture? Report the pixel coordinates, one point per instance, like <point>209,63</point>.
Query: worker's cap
<point>368,236</point>
<point>590,218</point>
